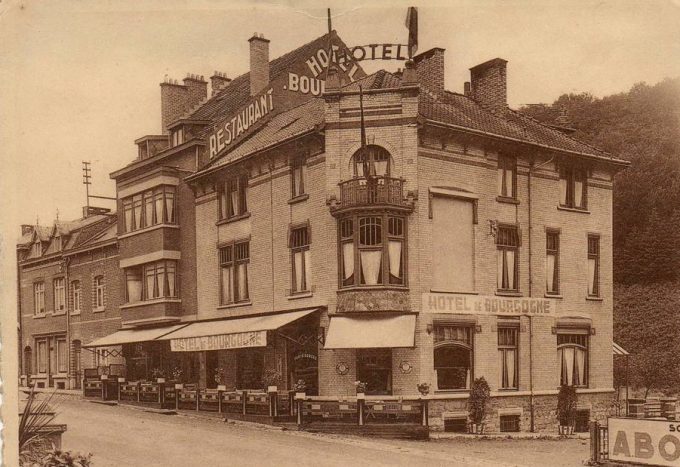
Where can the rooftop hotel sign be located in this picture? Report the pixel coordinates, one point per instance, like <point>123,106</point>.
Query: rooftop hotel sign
<point>237,340</point>
<point>489,305</point>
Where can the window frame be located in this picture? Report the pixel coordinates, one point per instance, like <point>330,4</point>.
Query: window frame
<point>61,362</point>
<point>501,248</point>
<point>574,335</point>
<point>594,254</point>
<point>506,163</point>
<point>237,184</point>
<point>352,223</point>
<point>468,345</point>
<point>59,294</point>
<point>356,163</point>
<point>99,288</point>
<point>305,250</point>
<point>233,263</point>
<point>42,360</point>
<point>503,348</point>
<point>553,250</point>
<point>76,296</point>
<point>39,298</point>
<point>158,197</point>
<point>298,163</point>
<point>570,174</point>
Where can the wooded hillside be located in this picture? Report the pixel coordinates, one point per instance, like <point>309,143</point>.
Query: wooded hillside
<point>642,126</point>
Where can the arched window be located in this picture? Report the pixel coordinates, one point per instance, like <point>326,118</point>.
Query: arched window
<point>453,356</point>
<point>572,358</point>
<point>28,360</point>
<point>381,161</point>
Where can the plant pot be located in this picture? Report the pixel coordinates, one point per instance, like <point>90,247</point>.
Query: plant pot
<point>361,395</point>
<point>300,395</point>
<point>160,380</point>
<point>271,388</point>
<point>221,387</point>
<point>476,428</point>
<point>566,429</point>
<point>104,377</point>
<point>121,380</point>
<point>179,386</point>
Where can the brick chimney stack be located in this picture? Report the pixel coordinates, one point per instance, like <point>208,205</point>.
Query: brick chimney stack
<point>218,81</point>
<point>488,85</point>
<point>259,63</point>
<point>177,99</point>
<point>198,89</point>
<point>430,69</point>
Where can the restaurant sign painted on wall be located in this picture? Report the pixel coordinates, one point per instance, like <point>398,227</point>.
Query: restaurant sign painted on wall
<point>237,340</point>
<point>491,305</point>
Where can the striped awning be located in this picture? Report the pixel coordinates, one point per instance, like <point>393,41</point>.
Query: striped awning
<point>618,350</point>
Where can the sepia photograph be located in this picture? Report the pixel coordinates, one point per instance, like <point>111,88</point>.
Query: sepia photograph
<point>375,233</point>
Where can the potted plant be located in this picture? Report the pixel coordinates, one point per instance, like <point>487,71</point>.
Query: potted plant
<point>300,389</point>
<point>424,389</point>
<point>158,374</point>
<point>177,374</point>
<point>270,380</point>
<point>480,393</point>
<point>361,389</point>
<point>219,377</point>
<point>566,409</point>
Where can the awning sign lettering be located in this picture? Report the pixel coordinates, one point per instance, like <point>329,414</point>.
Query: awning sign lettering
<point>491,305</point>
<point>238,340</point>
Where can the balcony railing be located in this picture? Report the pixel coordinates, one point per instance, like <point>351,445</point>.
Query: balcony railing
<point>379,190</point>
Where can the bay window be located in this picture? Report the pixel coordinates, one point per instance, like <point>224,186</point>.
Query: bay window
<point>233,197</point>
<point>372,250</point>
<point>152,207</point>
<point>234,260</point>
<point>151,281</point>
<point>507,245</point>
<point>593,265</point>
<point>572,357</point>
<point>59,294</point>
<point>573,188</point>
<point>301,261</point>
<point>453,362</point>
<point>507,353</point>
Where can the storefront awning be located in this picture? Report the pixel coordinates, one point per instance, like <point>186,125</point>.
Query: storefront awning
<point>370,332</point>
<point>128,336</point>
<point>233,333</point>
<point>618,350</point>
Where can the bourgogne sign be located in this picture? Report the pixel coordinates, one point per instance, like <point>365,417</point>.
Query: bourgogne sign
<point>491,305</point>
<point>237,340</point>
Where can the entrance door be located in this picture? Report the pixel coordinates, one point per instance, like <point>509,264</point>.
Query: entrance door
<point>211,368</point>
<point>374,367</point>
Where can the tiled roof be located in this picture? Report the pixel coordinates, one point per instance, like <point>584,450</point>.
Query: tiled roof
<point>237,92</point>
<point>381,79</point>
<point>281,127</point>
<point>92,232</point>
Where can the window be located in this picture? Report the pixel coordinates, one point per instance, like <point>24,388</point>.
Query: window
<point>452,356</point>
<point>75,296</point>
<point>375,250</point>
<point>297,177</point>
<point>573,188</point>
<point>508,356</point>
<point>233,197</point>
<point>374,367</point>
<point>378,156</point>
<point>62,356</point>
<point>552,262</point>
<point>507,244</point>
<point>593,265</point>
<point>452,244</point>
<point>99,292</point>
<point>59,294</point>
<point>301,261</point>
<point>151,281</point>
<point>234,260</point>
<point>509,423</point>
<point>36,249</point>
<point>152,207</point>
<point>507,177</point>
<point>177,137</point>
<point>572,358</point>
<point>39,298</point>
<point>42,356</point>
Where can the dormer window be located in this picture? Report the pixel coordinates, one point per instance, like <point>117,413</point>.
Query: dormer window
<point>177,137</point>
<point>36,249</point>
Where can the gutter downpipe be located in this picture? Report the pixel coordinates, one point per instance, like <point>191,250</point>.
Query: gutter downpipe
<point>67,293</point>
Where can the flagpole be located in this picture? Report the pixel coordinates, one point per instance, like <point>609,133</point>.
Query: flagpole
<point>330,44</point>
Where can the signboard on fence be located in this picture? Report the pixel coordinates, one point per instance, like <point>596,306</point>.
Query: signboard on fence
<point>491,305</point>
<point>643,441</point>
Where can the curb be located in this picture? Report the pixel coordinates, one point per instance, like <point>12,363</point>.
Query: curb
<point>509,436</point>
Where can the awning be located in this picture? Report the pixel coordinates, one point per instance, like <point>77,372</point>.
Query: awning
<point>370,332</point>
<point>232,333</point>
<point>128,336</point>
<point>618,350</point>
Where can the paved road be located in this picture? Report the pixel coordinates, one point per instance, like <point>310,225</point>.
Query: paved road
<point>123,436</point>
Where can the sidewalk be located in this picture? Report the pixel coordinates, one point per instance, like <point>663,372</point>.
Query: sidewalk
<point>77,393</point>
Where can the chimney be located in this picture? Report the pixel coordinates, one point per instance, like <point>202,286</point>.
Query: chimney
<point>259,63</point>
<point>430,69</point>
<point>409,75</point>
<point>173,102</point>
<point>197,88</point>
<point>466,88</point>
<point>218,81</point>
<point>26,229</point>
<point>489,85</point>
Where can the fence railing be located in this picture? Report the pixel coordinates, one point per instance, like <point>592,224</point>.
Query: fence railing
<point>362,191</point>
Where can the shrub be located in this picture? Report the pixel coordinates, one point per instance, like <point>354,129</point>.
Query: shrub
<point>480,393</point>
<point>566,405</point>
<point>57,458</point>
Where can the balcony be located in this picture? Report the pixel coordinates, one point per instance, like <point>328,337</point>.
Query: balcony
<point>379,191</point>
<point>163,310</point>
